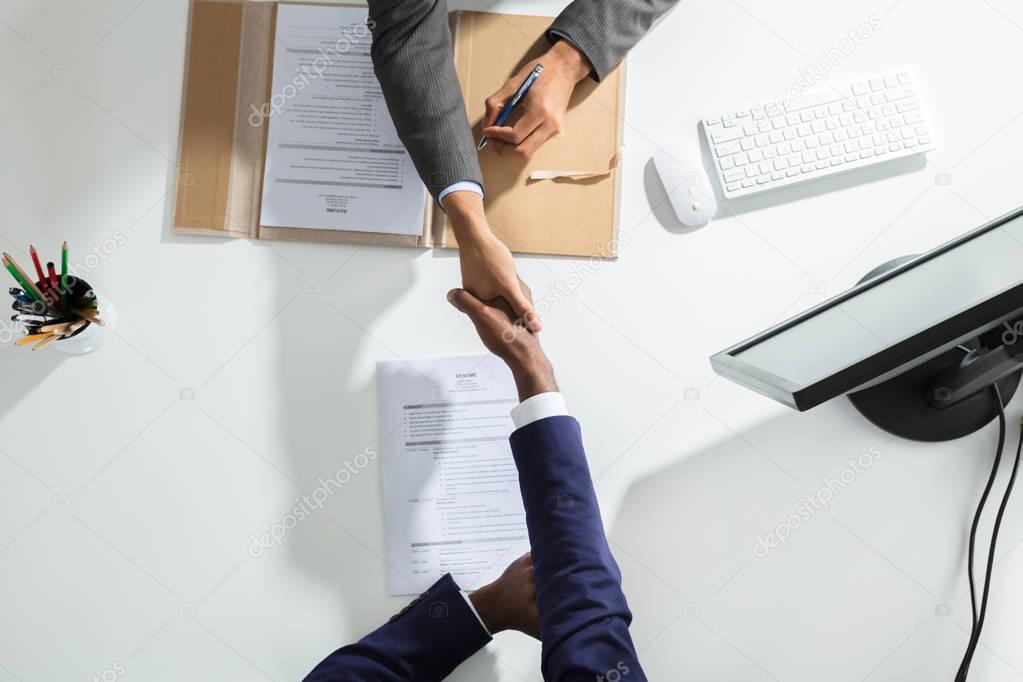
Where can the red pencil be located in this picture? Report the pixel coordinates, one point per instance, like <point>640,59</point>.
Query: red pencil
<point>35,261</point>
<point>54,287</point>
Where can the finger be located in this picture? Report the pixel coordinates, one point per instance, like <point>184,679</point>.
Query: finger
<point>494,105</point>
<point>466,303</point>
<point>516,134</point>
<point>523,310</point>
<point>501,147</point>
<point>534,141</point>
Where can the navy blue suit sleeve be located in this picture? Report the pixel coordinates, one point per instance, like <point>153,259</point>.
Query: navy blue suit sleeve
<point>584,618</point>
<point>424,643</point>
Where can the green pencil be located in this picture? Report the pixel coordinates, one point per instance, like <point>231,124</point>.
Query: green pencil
<point>15,271</point>
<point>63,276</point>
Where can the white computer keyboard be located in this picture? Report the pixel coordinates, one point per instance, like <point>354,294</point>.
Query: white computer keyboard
<point>838,128</point>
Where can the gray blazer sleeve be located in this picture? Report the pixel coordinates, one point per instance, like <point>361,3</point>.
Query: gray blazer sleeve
<point>605,30</point>
<point>413,61</point>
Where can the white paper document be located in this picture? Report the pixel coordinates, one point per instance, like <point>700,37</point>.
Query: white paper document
<point>451,491</point>
<point>334,160</point>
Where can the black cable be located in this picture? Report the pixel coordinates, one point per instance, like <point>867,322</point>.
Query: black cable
<point>978,618</point>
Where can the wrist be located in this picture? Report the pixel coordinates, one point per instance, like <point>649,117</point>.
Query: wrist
<point>484,602</point>
<point>534,377</point>
<point>468,219</point>
<point>568,60</point>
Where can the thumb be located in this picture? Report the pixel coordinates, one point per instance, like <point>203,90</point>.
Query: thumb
<point>465,302</point>
<point>524,311</point>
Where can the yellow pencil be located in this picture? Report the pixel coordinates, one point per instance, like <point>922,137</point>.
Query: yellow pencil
<point>46,342</point>
<point>29,339</point>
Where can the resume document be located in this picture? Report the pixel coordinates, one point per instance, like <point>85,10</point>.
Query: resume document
<point>334,160</point>
<point>451,491</point>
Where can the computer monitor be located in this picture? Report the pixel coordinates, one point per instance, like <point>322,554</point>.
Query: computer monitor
<point>919,345</point>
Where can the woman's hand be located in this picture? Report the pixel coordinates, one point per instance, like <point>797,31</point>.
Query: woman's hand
<point>541,114</point>
<point>488,269</point>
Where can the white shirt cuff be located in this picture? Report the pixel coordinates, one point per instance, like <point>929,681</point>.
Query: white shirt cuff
<point>538,407</point>
<point>465,596</point>
<point>464,186</point>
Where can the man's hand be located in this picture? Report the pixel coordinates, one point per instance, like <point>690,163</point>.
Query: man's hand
<point>509,603</point>
<point>507,339</point>
<point>542,110</point>
<point>488,269</point>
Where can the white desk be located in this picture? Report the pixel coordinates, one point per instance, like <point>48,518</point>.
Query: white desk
<point>242,372</point>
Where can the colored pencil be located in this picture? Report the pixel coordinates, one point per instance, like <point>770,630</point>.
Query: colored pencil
<point>63,275</point>
<point>30,339</point>
<point>35,261</point>
<point>90,315</point>
<point>27,284</point>
<point>50,338</point>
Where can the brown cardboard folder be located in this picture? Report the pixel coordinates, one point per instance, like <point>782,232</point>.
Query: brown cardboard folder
<point>228,73</point>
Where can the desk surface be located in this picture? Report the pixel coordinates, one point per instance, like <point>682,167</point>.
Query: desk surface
<point>241,372</point>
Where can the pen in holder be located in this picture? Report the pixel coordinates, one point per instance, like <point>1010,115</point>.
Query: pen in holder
<point>71,318</point>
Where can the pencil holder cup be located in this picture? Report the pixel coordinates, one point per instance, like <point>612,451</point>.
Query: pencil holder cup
<point>92,336</point>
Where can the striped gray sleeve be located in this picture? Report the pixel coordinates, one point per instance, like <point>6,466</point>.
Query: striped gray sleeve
<point>605,30</point>
<point>412,60</point>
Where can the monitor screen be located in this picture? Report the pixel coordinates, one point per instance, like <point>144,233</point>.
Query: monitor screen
<point>887,322</point>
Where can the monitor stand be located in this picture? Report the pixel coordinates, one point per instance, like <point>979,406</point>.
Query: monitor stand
<point>910,405</point>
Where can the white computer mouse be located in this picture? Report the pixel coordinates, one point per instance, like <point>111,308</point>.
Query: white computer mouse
<point>681,169</point>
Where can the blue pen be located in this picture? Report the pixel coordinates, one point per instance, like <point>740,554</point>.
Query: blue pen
<point>502,118</point>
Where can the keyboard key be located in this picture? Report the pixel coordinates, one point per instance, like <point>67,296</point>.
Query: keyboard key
<point>876,84</point>
<point>781,163</point>
<point>890,80</point>
<point>792,172</point>
<point>748,183</point>
<point>747,144</point>
<point>775,136</point>
<point>804,129</point>
<point>907,105</point>
<point>903,77</point>
<point>860,88</point>
<point>734,174</point>
<point>770,152</point>
<point>734,187</point>
<point>726,135</point>
<point>756,156</point>
<point>762,179</point>
<point>728,123</point>
<point>790,134</point>
<point>876,99</point>
<point>727,163</point>
<point>728,148</point>
<point>901,92</point>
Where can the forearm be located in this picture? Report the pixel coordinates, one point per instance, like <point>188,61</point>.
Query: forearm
<point>584,616</point>
<point>413,62</point>
<point>425,642</point>
<point>606,31</point>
